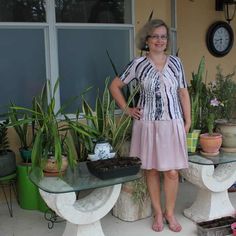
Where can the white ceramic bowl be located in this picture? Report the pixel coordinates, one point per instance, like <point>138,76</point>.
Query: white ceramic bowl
<point>93,157</point>
<point>112,154</point>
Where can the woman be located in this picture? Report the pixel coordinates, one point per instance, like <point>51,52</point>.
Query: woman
<point>161,118</point>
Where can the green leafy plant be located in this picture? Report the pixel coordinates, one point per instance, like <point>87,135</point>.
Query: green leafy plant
<point>224,89</point>
<point>52,137</point>
<point>196,89</point>
<point>22,130</point>
<point>101,123</point>
<point>213,111</point>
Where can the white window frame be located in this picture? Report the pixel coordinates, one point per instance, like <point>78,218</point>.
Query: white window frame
<point>50,28</point>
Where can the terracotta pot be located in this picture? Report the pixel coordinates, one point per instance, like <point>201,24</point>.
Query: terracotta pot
<point>52,167</point>
<point>211,143</point>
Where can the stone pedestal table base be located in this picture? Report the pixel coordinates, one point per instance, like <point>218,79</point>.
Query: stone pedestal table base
<point>212,200</point>
<point>83,215</point>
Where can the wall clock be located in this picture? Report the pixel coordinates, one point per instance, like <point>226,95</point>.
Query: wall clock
<point>219,38</point>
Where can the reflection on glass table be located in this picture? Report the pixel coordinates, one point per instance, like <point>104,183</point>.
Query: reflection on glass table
<point>222,158</point>
<point>213,176</point>
<point>83,215</point>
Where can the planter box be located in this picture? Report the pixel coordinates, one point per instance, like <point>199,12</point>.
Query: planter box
<point>114,167</point>
<point>217,227</point>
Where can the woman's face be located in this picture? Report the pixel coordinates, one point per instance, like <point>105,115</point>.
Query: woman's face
<point>157,40</point>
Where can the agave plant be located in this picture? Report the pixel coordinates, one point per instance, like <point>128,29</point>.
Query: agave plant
<point>101,123</point>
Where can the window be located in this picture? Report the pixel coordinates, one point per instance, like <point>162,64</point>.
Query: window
<point>22,65</point>
<point>22,11</point>
<point>61,38</point>
<point>83,60</point>
<point>94,11</point>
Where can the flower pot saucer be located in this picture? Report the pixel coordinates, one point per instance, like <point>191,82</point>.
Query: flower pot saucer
<point>224,149</point>
<point>53,174</point>
<point>209,154</point>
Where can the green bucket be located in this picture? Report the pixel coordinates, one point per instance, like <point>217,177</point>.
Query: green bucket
<point>28,193</point>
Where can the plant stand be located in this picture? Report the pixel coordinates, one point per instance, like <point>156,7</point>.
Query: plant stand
<point>83,215</point>
<point>212,200</point>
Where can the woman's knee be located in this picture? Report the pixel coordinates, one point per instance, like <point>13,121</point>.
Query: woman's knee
<point>171,174</point>
<point>151,173</point>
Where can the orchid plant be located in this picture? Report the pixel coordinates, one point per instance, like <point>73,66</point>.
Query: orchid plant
<point>213,111</point>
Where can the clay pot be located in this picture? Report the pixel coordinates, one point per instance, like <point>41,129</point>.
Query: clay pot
<point>211,143</point>
<point>51,165</point>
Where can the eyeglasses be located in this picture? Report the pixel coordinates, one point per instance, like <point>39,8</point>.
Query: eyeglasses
<point>157,37</point>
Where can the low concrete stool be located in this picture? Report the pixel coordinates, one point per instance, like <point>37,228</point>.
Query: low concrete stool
<point>8,181</point>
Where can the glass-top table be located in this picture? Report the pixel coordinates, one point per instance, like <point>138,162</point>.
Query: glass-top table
<point>76,180</point>
<point>222,158</point>
<point>82,215</point>
<point>213,176</point>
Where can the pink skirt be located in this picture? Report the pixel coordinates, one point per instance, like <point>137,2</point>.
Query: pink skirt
<point>161,145</point>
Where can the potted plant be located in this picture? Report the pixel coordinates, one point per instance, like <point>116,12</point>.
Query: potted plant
<point>224,87</point>
<point>7,157</point>
<point>23,132</point>
<point>53,148</point>
<point>196,89</point>
<point>211,141</point>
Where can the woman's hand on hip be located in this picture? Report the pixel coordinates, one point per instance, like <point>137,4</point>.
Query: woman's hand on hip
<point>134,112</point>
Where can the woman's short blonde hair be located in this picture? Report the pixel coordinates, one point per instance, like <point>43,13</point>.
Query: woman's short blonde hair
<point>147,30</point>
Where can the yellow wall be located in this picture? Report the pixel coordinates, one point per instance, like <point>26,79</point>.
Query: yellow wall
<point>143,9</point>
<point>193,19</point>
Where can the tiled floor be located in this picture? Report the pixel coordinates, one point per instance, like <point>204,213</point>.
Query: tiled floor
<point>32,223</point>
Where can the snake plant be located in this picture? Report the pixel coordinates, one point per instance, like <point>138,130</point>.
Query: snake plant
<point>101,123</point>
<point>196,88</point>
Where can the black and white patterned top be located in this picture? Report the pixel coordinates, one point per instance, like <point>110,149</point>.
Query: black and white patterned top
<point>159,98</point>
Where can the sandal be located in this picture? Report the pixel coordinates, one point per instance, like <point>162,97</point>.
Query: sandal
<point>158,225</point>
<point>173,224</point>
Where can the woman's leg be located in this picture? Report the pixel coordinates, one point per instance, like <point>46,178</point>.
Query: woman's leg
<point>171,184</point>
<point>153,184</point>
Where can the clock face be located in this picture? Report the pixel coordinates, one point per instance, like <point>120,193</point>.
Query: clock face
<point>220,38</point>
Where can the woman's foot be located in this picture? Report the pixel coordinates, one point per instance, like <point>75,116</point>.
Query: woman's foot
<point>172,223</point>
<point>158,225</point>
